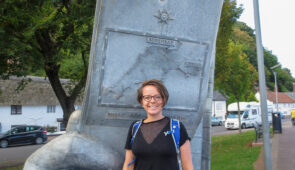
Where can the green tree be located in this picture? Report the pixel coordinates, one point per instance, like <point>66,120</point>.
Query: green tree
<point>245,35</point>
<point>230,14</point>
<point>285,81</point>
<point>49,38</point>
<point>251,98</point>
<point>240,76</point>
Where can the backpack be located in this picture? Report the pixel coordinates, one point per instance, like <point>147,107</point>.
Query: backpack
<point>174,130</point>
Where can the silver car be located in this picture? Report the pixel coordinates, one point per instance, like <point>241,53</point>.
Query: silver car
<point>216,121</point>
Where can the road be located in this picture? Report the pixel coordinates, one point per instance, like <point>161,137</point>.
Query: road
<point>221,130</point>
<point>16,155</point>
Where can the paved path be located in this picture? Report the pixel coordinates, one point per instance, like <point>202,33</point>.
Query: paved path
<point>283,148</point>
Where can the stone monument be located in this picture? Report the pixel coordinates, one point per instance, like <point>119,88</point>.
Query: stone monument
<point>172,41</point>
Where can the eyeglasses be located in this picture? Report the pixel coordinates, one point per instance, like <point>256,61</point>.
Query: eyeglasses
<point>149,98</point>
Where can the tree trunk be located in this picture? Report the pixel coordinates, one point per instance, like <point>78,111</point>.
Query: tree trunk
<point>48,50</point>
<point>66,102</point>
<point>239,114</point>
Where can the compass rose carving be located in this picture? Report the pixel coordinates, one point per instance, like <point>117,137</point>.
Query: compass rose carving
<point>163,17</point>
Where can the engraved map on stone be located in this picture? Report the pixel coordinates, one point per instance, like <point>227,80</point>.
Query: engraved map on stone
<point>177,63</point>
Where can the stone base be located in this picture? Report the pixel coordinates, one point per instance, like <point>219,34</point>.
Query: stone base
<point>74,151</point>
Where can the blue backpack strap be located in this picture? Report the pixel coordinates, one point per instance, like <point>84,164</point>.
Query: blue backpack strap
<point>135,128</point>
<point>175,129</point>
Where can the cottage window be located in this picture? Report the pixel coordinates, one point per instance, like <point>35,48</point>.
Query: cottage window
<point>16,109</point>
<point>51,109</point>
<point>219,107</point>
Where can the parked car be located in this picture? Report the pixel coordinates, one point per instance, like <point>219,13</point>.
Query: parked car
<point>216,121</point>
<point>23,135</point>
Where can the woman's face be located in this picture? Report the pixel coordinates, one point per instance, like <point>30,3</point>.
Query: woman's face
<point>152,101</point>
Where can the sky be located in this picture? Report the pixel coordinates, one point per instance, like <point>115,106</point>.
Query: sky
<point>277,22</point>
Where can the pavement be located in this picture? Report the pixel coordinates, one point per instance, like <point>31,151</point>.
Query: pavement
<point>282,149</point>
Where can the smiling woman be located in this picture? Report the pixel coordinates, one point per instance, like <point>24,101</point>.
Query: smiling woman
<point>152,143</point>
<point>153,96</point>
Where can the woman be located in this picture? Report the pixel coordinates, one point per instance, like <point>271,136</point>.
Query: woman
<point>152,149</point>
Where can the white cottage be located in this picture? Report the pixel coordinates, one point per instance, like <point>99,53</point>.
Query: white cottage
<point>36,104</point>
<point>219,105</point>
<point>285,102</point>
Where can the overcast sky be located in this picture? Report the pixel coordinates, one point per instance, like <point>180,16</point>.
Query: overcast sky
<point>277,19</point>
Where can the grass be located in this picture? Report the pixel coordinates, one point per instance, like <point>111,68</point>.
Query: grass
<point>234,152</point>
<point>20,167</point>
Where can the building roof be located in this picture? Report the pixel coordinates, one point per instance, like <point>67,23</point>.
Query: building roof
<point>38,91</point>
<point>291,94</point>
<point>217,96</point>
<point>282,97</point>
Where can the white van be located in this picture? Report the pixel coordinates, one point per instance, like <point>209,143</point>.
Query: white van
<point>250,114</point>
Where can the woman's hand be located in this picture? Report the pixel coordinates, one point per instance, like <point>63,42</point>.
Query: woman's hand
<point>128,158</point>
<point>185,156</point>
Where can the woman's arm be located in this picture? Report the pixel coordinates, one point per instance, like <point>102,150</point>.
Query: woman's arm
<point>128,159</point>
<point>185,156</point>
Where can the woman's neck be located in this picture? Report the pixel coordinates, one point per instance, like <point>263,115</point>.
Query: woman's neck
<point>153,118</point>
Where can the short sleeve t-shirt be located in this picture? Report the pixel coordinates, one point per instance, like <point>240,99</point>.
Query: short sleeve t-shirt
<point>153,149</point>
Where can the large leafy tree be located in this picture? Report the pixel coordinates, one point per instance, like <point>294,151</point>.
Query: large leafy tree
<point>48,37</point>
<point>232,31</point>
<point>230,36</point>
<point>240,77</point>
<point>230,14</point>
<point>245,35</point>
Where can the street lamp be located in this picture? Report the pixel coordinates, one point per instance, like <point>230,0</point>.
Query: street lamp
<point>276,86</point>
<point>263,98</point>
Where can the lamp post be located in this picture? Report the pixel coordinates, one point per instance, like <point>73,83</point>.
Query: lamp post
<point>276,85</point>
<point>263,103</point>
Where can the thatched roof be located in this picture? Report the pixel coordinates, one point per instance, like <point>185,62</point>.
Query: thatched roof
<point>217,96</point>
<point>38,91</point>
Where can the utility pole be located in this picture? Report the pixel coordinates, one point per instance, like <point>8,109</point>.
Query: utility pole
<point>276,85</point>
<point>263,103</point>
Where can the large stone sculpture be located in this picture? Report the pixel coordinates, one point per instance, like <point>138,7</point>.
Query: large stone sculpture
<point>133,41</point>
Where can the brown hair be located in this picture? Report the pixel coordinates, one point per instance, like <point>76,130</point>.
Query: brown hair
<point>160,87</point>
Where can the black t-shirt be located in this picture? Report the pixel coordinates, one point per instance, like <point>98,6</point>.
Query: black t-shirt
<point>152,149</point>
